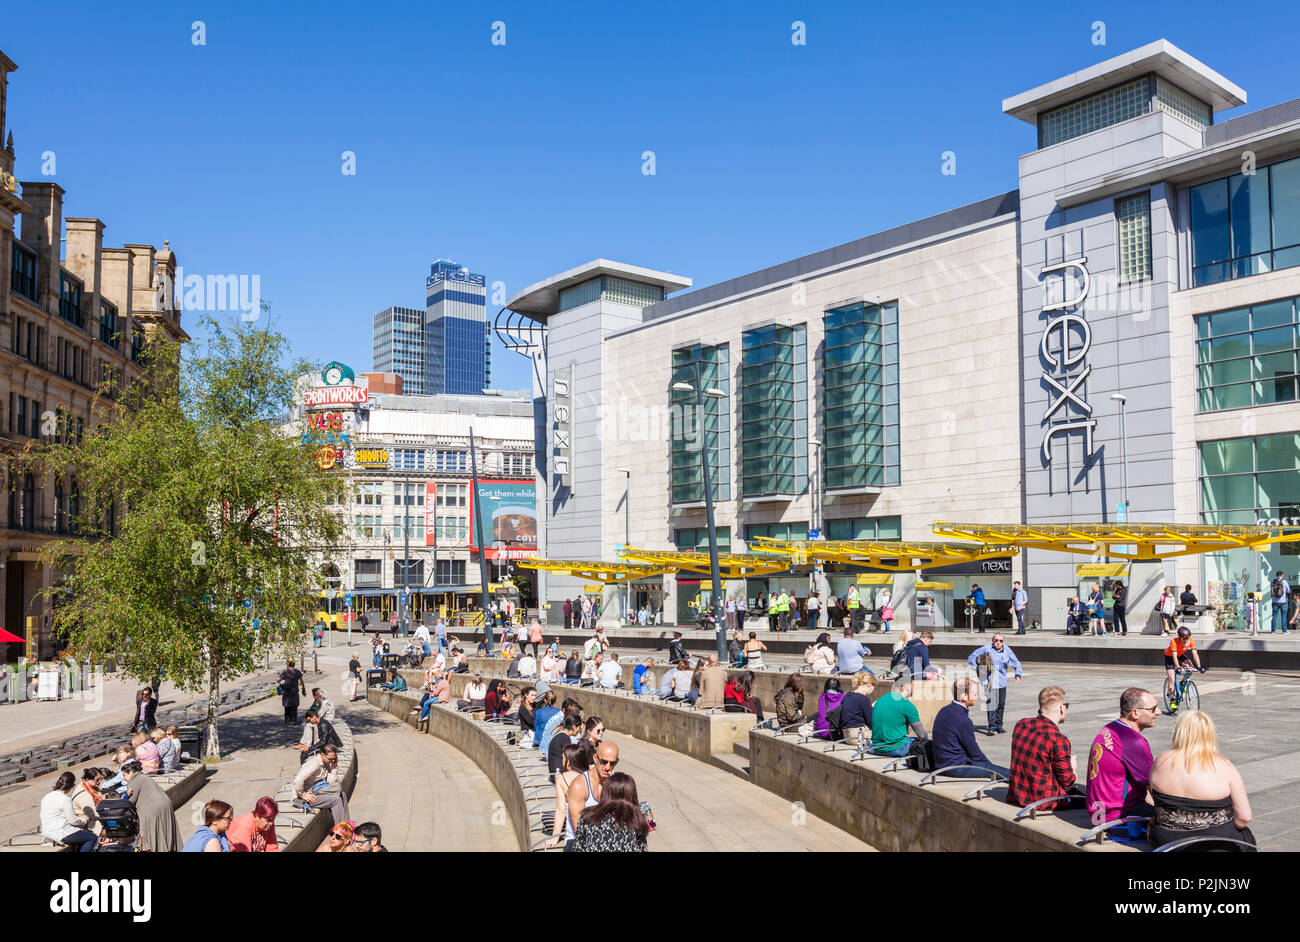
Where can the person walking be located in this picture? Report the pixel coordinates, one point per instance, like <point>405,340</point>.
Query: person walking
<point>731,612</point>
<point>1168,606</point>
<point>1119,606</point>
<point>1019,602</point>
<point>1001,657</point>
<point>1096,611</point>
<point>291,683</point>
<point>886,604</point>
<point>814,609</point>
<point>1279,589</point>
<point>742,608</point>
<point>977,596</point>
<point>568,615</point>
<point>146,709</point>
<point>376,650</point>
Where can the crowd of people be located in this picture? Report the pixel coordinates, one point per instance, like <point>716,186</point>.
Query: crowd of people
<point>140,813</point>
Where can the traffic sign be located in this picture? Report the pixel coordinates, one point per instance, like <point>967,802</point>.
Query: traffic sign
<point>403,598</point>
<point>1121,512</point>
<point>814,534</point>
<point>347,599</point>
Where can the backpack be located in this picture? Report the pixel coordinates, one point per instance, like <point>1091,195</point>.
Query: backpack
<point>920,755</point>
<point>1276,588</point>
<point>835,719</point>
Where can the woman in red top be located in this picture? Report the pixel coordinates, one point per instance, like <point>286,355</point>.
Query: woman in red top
<point>737,696</point>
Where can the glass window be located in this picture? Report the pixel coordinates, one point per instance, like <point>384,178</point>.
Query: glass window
<point>1097,111</point>
<point>710,367</point>
<point>1133,214</point>
<point>1249,356</point>
<point>1243,225</point>
<point>860,384</point>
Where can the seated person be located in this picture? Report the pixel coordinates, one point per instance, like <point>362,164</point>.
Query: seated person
<point>642,680</point>
<point>610,673</point>
<point>590,669</point>
<point>954,734</point>
<point>573,669</point>
<point>459,662</point>
<point>1197,792</point>
<point>527,666</point>
<point>856,709</point>
<point>917,656</point>
<point>738,695</point>
<point>893,716</point>
<point>475,695</point>
<point>681,682</point>
<point>1041,762</point>
<point>1119,765</point>
<point>666,682</point>
<point>395,680</point>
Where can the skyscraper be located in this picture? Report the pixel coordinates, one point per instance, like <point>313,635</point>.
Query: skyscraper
<point>457,339</point>
<point>398,346</point>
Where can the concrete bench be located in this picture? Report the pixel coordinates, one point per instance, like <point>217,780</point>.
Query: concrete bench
<point>517,773</point>
<point>894,811</point>
<point>180,786</point>
<point>677,726</point>
<point>302,831</point>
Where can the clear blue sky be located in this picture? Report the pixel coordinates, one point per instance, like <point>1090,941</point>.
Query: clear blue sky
<point>525,159</point>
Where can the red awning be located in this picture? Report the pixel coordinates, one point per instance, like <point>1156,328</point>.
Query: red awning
<point>10,636</point>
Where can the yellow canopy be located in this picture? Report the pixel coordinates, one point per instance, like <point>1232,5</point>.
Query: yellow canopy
<point>896,555</point>
<point>730,565</point>
<point>1122,540</point>
<point>604,573</point>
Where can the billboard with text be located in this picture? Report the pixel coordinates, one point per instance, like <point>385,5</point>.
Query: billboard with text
<point>507,512</point>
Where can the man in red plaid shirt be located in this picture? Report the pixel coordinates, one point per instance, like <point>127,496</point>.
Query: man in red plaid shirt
<point>1041,762</point>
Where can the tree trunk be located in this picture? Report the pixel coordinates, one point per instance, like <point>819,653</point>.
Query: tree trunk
<point>212,751</point>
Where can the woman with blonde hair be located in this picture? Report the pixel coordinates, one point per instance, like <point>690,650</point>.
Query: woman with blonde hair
<point>1196,791</point>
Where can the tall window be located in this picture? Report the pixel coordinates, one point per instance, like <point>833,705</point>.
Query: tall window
<point>22,277</point>
<point>369,573</point>
<point>1133,215</point>
<point>775,531</point>
<point>707,367</point>
<point>451,461</point>
<point>1247,356</point>
<point>370,493</point>
<point>774,411</point>
<point>450,572</point>
<point>860,380</point>
<point>1251,481</point>
<point>108,324</point>
<point>1246,224</point>
<point>865,528</point>
<point>697,539</point>
<point>408,459</point>
<point>70,298</point>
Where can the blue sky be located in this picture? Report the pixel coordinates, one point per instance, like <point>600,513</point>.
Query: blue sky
<point>524,159</point>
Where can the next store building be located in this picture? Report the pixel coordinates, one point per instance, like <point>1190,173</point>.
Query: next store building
<point>965,367</point>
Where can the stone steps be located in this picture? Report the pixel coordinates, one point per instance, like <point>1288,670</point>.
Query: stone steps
<point>735,764</point>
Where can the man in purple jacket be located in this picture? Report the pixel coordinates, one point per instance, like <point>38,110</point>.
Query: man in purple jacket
<point>954,735</point>
<point>1120,760</point>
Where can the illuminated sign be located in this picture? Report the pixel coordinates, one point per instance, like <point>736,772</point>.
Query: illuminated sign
<point>327,456</point>
<point>336,396</point>
<point>1068,388</point>
<point>370,457</point>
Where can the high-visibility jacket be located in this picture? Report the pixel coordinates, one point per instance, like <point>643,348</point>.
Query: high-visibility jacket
<point>785,602</point>
<point>853,597</point>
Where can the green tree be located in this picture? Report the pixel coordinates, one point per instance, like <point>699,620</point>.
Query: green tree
<point>189,548</point>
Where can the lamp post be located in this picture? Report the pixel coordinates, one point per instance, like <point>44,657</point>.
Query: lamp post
<point>626,590</point>
<point>712,393</point>
<point>1123,440</point>
<point>819,511</point>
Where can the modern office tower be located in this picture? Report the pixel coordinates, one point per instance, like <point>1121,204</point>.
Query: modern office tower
<point>398,346</point>
<point>457,338</point>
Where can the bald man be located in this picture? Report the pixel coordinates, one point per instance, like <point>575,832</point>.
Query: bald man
<point>584,792</point>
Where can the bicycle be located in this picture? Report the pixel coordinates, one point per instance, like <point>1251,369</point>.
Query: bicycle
<point>1183,693</point>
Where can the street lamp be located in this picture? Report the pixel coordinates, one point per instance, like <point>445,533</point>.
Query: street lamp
<point>819,511</point>
<point>1123,439</point>
<point>712,393</point>
<point>626,591</point>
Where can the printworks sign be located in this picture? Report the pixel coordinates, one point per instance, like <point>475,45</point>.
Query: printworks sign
<point>1065,367</point>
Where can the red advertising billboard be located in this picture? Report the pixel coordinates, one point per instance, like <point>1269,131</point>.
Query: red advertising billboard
<point>430,513</point>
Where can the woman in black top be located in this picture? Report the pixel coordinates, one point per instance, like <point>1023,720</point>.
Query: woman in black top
<point>1119,600</point>
<point>527,709</point>
<point>573,668</point>
<point>290,684</point>
<point>146,706</point>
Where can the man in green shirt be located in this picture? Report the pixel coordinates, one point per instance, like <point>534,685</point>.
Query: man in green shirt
<point>892,716</point>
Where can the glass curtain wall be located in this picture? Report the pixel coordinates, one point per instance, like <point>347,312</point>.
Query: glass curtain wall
<point>1246,224</point>
<point>710,366</point>
<point>860,380</point>
<point>774,411</point>
<point>1247,356</point>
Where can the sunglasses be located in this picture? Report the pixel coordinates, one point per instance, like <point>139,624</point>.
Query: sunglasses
<point>609,762</point>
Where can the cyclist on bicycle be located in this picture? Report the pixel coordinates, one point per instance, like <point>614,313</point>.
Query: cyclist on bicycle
<point>1181,652</point>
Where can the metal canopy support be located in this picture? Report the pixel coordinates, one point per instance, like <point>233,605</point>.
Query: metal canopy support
<point>895,555</point>
<point>730,565</point>
<point>605,573</point>
<point>1134,541</point>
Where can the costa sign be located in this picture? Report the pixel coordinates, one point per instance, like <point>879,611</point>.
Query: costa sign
<point>1072,352</point>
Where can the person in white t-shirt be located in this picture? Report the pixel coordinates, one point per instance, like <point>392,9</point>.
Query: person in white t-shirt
<point>610,675</point>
